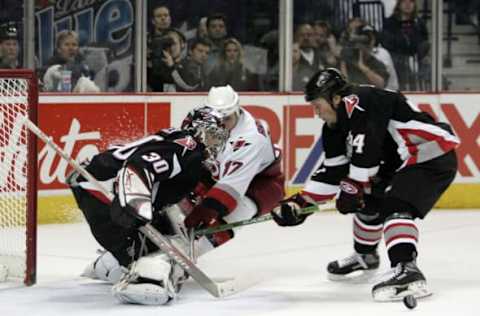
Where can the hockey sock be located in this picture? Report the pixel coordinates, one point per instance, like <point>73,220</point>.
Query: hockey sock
<point>401,236</point>
<point>367,233</point>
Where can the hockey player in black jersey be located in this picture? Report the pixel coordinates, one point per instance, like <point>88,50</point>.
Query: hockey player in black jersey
<point>389,163</point>
<point>147,177</point>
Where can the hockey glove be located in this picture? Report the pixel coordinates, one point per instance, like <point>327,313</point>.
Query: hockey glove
<point>202,216</point>
<point>288,214</point>
<point>351,198</point>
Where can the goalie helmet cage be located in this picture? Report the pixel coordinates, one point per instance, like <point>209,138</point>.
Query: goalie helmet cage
<point>18,174</point>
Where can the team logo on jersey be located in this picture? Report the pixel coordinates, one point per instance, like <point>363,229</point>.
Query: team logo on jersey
<point>348,187</point>
<point>187,142</point>
<point>351,103</point>
<point>239,143</point>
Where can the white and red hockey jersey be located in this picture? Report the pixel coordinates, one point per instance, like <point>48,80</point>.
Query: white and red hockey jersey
<point>248,152</point>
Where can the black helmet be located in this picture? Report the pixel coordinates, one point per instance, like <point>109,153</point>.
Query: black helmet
<point>7,32</point>
<point>324,83</point>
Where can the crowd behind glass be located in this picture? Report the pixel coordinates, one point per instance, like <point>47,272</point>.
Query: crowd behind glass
<point>189,53</point>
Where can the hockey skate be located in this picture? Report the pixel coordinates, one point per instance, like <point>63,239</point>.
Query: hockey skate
<point>407,279</point>
<point>356,267</point>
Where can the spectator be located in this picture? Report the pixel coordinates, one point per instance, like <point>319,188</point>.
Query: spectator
<point>326,44</point>
<point>352,25</point>
<point>189,74</point>
<point>269,81</point>
<point>166,55</point>
<point>466,11</point>
<point>382,55</point>
<point>161,20</point>
<point>305,39</point>
<point>357,61</point>
<point>8,47</point>
<point>301,70</point>
<point>67,66</point>
<point>405,36</point>
<point>202,31</point>
<point>231,70</point>
<point>217,33</point>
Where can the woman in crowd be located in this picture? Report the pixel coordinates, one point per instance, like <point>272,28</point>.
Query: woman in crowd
<point>231,70</point>
<point>405,36</point>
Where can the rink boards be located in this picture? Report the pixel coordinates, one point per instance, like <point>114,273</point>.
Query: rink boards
<point>86,124</point>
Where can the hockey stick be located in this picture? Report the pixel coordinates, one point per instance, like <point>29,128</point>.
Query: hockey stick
<point>220,289</point>
<point>264,218</point>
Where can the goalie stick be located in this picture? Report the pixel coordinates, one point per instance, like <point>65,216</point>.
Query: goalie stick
<point>311,209</point>
<point>217,289</point>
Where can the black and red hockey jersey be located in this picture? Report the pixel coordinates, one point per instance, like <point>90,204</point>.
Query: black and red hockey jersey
<point>374,128</point>
<point>171,161</point>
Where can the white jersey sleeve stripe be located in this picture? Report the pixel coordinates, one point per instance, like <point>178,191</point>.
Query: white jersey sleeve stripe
<point>336,161</point>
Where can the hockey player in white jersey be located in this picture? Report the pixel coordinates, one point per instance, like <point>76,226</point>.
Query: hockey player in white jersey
<point>249,178</point>
<point>249,183</point>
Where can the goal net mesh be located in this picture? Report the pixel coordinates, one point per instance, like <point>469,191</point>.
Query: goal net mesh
<point>13,175</point>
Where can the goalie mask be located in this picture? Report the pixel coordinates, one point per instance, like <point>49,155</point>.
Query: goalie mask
<point>207,127</point>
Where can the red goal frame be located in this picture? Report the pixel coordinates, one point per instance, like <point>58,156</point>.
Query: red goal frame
<point>31,218</point>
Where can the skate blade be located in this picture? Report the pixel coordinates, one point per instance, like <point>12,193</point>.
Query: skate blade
<point>418,289</point>
<point>364,276</point>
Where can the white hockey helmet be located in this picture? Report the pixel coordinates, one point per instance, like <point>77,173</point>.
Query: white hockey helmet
<point>223,99</point>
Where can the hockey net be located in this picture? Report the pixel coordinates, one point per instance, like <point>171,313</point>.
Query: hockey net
<point>18,174</point>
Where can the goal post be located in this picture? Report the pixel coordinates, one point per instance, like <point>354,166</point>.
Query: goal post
<point>18,175</point>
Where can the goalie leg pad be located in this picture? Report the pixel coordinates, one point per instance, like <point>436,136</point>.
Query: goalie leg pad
<point>106,268</point>
<point>152,280</point>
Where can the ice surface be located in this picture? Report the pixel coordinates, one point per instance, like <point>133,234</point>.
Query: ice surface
<point>287,266</point>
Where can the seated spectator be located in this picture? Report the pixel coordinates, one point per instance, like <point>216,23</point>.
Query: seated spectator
<point>382,55</point>
<point>269,81</point>
<point>301,70</point>
<point>353,24</point>
<point>305,39</point>
<point>202,31</point>
<point>466,11</point>
<point>216,35</point>
<point>358,63</point>
<point>8,47</point>
<point>67,66</point>
<point>188,75</point>
<point>326,44</point>
<point>405,36</point>
<point>231,70</point>
<point>166,55</point>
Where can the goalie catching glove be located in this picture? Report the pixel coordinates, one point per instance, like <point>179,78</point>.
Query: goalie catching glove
<point>132,206</point>
<point>288,214</point>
